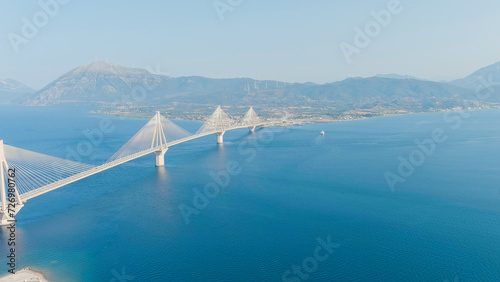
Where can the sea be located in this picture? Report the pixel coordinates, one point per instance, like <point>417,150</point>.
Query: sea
<point>398,198</point>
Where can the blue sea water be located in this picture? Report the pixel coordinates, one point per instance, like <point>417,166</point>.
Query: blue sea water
<point>295,186</point>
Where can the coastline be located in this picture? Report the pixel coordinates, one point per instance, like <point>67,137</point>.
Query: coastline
<point>301,121</point>
<point>25,274</point>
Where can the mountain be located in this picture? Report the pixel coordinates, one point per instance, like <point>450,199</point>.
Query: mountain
<point>357,89</point>
<point>489,74</point>
<point>109,84</point>
<point>94,83</point>
<point>13,91</point>
<point>390,93</point>
<point>485,82</point>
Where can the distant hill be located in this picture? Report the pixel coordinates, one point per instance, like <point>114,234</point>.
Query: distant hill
<point>491,74</point>
<point>13,91</point>
<point>89,84</point>
<point>106,83</point>
<point>486,80</point>
<point>372,92</point>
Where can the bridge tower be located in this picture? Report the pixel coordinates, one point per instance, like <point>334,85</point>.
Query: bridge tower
<point>219,116</point>
<point>159,141</point>
<point>154,137</point>
<point>217,123</point>
<point>8,189</point>
<point>251,119</point>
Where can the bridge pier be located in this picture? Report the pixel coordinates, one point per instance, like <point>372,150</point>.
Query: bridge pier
<point>4,219</point>
<point>5,216</point>
<point>160,157</point>
<point>220,137</point>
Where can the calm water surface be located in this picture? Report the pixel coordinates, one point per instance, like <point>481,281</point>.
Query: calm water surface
<point>441,224</point>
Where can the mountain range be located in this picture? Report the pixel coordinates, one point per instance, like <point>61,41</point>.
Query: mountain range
<point>13,91</point>
<point>107,84</point>
<point>485,81</point>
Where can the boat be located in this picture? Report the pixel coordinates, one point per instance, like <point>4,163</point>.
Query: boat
<point>322,132</point>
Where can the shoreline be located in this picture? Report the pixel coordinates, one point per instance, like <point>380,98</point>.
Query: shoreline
<point>25,274</point>
<point>304,120</point>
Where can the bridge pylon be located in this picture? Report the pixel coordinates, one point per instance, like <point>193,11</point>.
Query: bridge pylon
<point>251,119</point>
<point>159,141</point>
<point>220,116</point>
<point>155,137</point>
<point>220,137</point>
<point>217,123</point>
<point>9,194</point>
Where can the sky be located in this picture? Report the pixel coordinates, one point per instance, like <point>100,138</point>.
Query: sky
<point>285,40</point>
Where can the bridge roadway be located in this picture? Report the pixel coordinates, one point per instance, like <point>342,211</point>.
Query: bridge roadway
<point>106,166</point>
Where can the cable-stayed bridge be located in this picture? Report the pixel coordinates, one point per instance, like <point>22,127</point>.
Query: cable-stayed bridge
<point>35,174</point>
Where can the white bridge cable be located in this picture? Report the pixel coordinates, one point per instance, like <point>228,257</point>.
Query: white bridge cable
<point>24,184</point>
<point>172,131</point>
<point>31,175</point>
<point>35,170</point>
<point>250,118</point>
<point>143,140</point>
<point>219,121</point>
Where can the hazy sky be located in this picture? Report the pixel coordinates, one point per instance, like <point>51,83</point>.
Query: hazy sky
<point>291,40</point>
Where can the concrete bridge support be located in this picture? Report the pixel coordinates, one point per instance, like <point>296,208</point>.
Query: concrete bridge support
<point>220,137</point>
<point>160,157</point>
